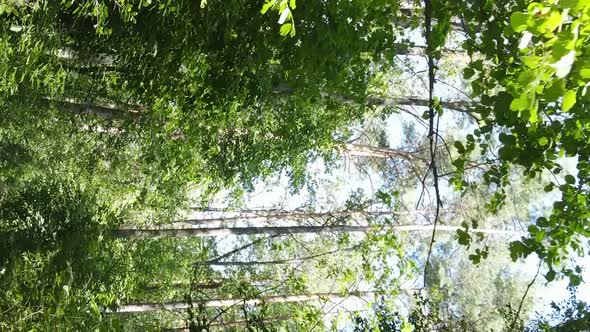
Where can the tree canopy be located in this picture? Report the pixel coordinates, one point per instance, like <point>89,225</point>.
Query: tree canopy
<point>286,165</point>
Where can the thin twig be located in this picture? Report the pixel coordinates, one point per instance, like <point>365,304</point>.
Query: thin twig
<point>526,292</point>
<point>432,133</point>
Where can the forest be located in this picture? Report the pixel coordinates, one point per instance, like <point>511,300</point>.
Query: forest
<point>292,165</point>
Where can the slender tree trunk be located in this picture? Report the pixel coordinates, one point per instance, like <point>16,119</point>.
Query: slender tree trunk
<point>458,105</point>
<point>153,306</point>
<point>135,111</point>
<point>154,233</point>
<point>379,152</point>
<point>101,61</point>
<point>212,284</point>
<point>281,215</point>
<point>108,111</point>
<point>69,56</point>
<point>257,211</point>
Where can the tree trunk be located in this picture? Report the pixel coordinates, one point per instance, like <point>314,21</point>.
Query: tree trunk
<point>106,61</point>
<point>109,111</point>
<point>458,105</point>
<point>281,215</point>
<point>154,233</point>
<point>212,284</point>
<point>378,152</point>
<point>246,210</point>
<point>152,306</point>
<point>135,111</point>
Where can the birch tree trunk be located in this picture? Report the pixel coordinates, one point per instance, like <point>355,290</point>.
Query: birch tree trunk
<point>281,215</point>
<point>153,306</point>
<point>378,152</point>
<point>113,111</point>
<point>106,61</point>
<point>212,284</point>
<point>154,233</point>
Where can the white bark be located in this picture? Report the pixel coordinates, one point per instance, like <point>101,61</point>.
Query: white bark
<point>154,233</point>
<point>144,307</point>
<point>379,152</point>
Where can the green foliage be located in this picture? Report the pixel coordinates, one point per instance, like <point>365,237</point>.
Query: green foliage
<point>384,319</point>
<point>533,94</point>
<point>422,317</point>
<point>474,295</point>
<point>46,214</point>
<point>196,113</point>
<point>51,257</point>
<point>284,8</point>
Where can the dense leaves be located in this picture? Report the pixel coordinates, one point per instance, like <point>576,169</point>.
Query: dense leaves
<point>532,86</point>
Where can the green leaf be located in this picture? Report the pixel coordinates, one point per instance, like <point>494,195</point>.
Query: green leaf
<point>292,4</point>
<point>569,99</point>
<point>563,45</point>
<point>585,73</point>
<point>554,90</point>
<point>407,327</point>
<point>267,6</point>
<point>533,229</point>
<point>570,179</point>
<point>475,259</point>
<point>553,21</point>
<point>542,221</point>
<point>540,236</point>
<point>285,29</point>
<point>531,61</point>
<point>484,253</point>
<point>518,21</point>
<point>550,276</point>
<point>549,187</point>
<point>384,197</point>
<point>574,4</point>
<point>463,237</point>
<point>527,77</point>
<point>468,73</point>
<point>520,103</point>
<point>575,280</point>
<point>459,146</point>
<point>543,141</point>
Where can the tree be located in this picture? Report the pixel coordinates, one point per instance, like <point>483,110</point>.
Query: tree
<point>536,104</point>
<point>162,89</point>
<point>472,299</point>
<point>203,232</point>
